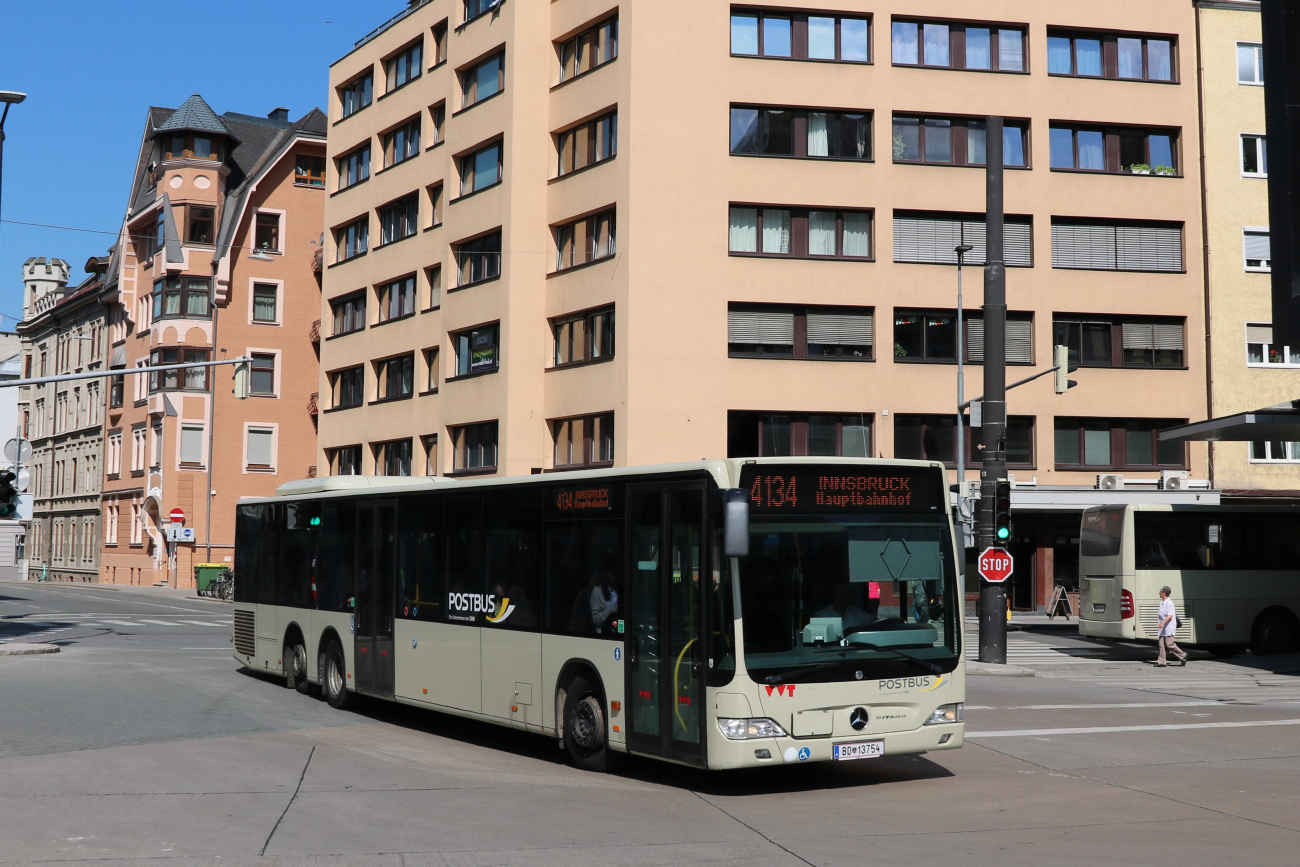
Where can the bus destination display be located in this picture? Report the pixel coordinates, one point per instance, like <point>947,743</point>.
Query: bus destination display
<point>831,489</point>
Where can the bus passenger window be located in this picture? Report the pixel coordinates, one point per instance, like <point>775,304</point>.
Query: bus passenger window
<point>334,555</point>
<point>584,578</point>
<point>514,554</point>
<point>419,565</point>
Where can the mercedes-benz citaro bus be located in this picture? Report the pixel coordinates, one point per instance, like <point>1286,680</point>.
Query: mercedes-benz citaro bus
<point>1233,573</point>
<point>722,614</point>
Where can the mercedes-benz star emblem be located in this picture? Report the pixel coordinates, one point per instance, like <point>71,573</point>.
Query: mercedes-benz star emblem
<point>858,719</point>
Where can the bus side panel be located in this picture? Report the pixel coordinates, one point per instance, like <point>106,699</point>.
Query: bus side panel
<point>268,637</point>
<point>512,670</point>
<point>606,656</point>
<point>455,679</point>
<point>416,653</point>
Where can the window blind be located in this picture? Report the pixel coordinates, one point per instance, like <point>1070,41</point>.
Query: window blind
<point>1167,336</point>
<point>1087,247</point>
<point>1259,333</point>
<point>1117,247</point>
<point>840,329</point>
<point>191,445</point>
<point>772,327</point>
<point>928,239</point>
<point>259,447</point>
<point>1149,248</point>
<point>1137,335</point>
<point>1257,245</point>
<point>1019,345</point>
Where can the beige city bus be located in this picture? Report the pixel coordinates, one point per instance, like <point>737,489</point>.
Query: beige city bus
<point>1234,573</point>
<point>721,614</point>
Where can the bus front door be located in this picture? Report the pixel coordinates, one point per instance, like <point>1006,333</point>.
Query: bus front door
<point>376,557</point>
<point>665,656</point>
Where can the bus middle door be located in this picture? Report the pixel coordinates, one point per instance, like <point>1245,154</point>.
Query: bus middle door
<point>375,575</point>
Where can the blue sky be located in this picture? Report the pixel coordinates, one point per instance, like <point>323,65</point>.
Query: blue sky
<point>91,69</point>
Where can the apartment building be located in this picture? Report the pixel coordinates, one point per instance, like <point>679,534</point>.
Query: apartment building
<point>218,259</point>
<point>1247,369</point>
<point>13,533</point>
<point>589,233</point>
<point>63,332</point>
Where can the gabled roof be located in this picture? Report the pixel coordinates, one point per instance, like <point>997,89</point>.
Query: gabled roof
<point>195,115</point>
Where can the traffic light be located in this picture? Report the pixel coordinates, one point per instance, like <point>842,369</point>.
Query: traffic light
<point>1066,361</point>
<point>242,373</point>
<point>1002,511</point>
<point>8,495</point>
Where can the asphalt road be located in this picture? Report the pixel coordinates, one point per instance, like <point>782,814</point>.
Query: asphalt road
<point>142,741</point>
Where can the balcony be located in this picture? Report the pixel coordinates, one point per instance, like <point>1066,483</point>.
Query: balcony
<point>314,334</point>
<point>312,404</point>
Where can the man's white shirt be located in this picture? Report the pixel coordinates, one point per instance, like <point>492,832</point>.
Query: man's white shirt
<point>1167,610</point>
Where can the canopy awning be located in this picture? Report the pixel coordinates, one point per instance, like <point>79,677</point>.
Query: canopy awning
<point>1279,423</point>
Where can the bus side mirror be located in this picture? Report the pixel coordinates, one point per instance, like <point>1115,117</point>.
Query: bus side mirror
<point>735,522</point>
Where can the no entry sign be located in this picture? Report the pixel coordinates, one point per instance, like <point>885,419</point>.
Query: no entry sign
<point>178,516</point>
<point>995,565</point>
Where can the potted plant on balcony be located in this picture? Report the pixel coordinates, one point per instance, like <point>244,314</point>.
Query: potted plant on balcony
<point>1164,170</point>
<point>1140,169</point>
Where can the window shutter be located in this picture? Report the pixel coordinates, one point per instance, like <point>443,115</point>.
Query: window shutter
<point>927,240</point>
<point>191,445</point>
<point>1137,335</point>
<point>1257,245</point>
<point>975,233</point>
<point>1083,246</point>
<point>1149,248</point>
<point>1018,244</point>
<point>771,327</point>
<point>259,448</point>
<point>1167,336</point>
<point>1259,333</point>
<point>975,340</point>
<point>840,329</point>
<point>1020,341</point>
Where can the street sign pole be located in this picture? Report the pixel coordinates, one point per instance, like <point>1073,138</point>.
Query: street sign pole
<point>993,595</point>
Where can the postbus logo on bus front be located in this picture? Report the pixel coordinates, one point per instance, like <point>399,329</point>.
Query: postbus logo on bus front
<point>479,603</point>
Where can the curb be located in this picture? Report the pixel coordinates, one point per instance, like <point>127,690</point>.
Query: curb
<point>988,669</point>
<point>27,649</point>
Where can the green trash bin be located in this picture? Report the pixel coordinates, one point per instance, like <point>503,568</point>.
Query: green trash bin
<point>205,574</point>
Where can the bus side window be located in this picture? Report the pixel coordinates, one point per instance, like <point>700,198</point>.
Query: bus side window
<point>297,547</point>
<point>419,564</point>
<point>334,555</point>
<point>514,554</point>
<point>463,545</point>
<point>584,578</point>
<point>249,537</point>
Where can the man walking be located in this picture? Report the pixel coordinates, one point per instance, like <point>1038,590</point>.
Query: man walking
<point>1168,625</point>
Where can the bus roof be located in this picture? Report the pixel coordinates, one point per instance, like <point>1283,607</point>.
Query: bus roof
<point>1200,507</point>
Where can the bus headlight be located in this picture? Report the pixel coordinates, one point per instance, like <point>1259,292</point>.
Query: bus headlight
<point>945,713</point>
<point>742,729</point>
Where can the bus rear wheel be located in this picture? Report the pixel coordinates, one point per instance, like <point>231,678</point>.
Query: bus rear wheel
<point>334,678</point>
<point>584,726</point>
<point>1275,632</point>
<point>295,666</point>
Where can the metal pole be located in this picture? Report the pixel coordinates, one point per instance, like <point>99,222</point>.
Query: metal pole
<point>960,445</point>
<point>993,597</point>
<point>212,420</point>
<point>2,156</point>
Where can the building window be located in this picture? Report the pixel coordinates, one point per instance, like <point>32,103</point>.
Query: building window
<point>1261,351</point>
<point>1099,443</point>
<point>113,465</point>
<point>265,302</point>
<point>260,448</point>
<point>139,447</point>
<point>354,167</point>
<point>588,50</point>
<point>191,444</point>
<point>430,444</point>
<point>309,171</point>
<point>482,80</point>
<point>1256,249</point>
<point>353,239</point>
<point>584,337</point>
<point>431,366</point>
<point>1110,55</point>
<point>956,141</point>
<point>587,441</point>
<point>799,232</point>
<point>192,146</point>
<point>800,36</point>
<point>794,434</point>
<point>348,387</point>
<point>262,376</point>
<point>346,461</point>
<point>396,377</point>
<point>349,313</point>
<point>1250,63</point>
<point>958,46</point>
<point>404,67</point>
<point>438,117</point>
<point>475,447</point>
<point>1117,246</point>
<point>397,299</point>
<point>181,297</point>
<point>439,44</point>
<point>199,230</point>
<point>434,276</point>
<point>931,336</point>
<point>1275,452</point>
<point>268,232</point>
<point>399,220</point>
<point>355,95</point>
<point>933,438</point>
<point>803,133</point>
<point>1101,341</point>
<point>480,169</point>
<point>771,331</point>
<point>1254,156</point>
<point>1115,150</point>
<point>435,205</point>
<point>584,241</point>
<point>393,458</point>
<point>475,8</point>
<point>588,143</point>
<point>478,259</point>
<point>932,238</point>
<point>159,234</point>
<point>190,379</point>
<point>402,143</point>
<point>477,350</point>
<point>117,391</point>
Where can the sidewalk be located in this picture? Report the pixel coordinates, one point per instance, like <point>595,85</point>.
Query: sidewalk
<point>181,593</point>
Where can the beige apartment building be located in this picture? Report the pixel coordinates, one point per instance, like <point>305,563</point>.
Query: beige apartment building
<point>1247,369</point>
<point>592,233</point>
<point>218,258</point>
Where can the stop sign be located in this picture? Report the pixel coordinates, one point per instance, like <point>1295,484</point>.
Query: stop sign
<point>995,565</point>
<point>178,516</point>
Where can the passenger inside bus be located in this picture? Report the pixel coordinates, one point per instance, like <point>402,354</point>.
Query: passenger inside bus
<point>841,606</point>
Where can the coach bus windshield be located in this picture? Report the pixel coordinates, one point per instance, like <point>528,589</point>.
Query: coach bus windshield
<point>829,597</point>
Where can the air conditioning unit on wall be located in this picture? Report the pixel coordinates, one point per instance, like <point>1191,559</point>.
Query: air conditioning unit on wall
<point>1110,482</point>
<point>1174,480</point>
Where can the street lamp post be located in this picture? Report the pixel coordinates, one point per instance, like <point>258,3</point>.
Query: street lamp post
<point>960,445</point>
<point>8,98</point>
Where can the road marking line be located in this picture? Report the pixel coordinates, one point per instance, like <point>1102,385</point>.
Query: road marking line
<point>159,622</point>
<point>1096,706</point>
<point>202,623</point>
<point>121,622</point>
<point>1097,730</point>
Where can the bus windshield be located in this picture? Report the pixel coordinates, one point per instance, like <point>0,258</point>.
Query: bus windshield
<point>847,596</point>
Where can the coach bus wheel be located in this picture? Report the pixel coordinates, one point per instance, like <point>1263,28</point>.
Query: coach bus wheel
<point>584,726</point>
<point>336,678</point>
<point>1224,651</point>
<point>1274,632</point>
<point>295,666</point>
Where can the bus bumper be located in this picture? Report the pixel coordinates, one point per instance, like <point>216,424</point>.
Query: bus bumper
<point>725,753</point>
<point>1117,629</point>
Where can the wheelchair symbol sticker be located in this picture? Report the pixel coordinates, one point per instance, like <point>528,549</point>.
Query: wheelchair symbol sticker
<point>804,754</point>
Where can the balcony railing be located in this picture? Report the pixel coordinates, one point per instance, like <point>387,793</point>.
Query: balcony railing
<point>312,402</point>
<point>314,335</point>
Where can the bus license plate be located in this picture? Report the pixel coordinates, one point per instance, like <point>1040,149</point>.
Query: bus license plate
<point>859,750</point>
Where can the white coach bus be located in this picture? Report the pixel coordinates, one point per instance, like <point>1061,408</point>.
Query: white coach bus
<point>1234,573</point>
<point>721,614</point>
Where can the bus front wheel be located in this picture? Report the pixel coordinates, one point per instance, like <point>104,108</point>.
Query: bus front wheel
<point>336,679</point>
<point>584,726</point>
<point>1275,632</point>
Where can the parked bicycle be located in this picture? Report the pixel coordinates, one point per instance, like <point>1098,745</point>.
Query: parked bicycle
<point>223,587</point>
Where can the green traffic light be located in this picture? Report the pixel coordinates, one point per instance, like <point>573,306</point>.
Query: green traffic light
<point>315,522</point>
<point>1004,532</point>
